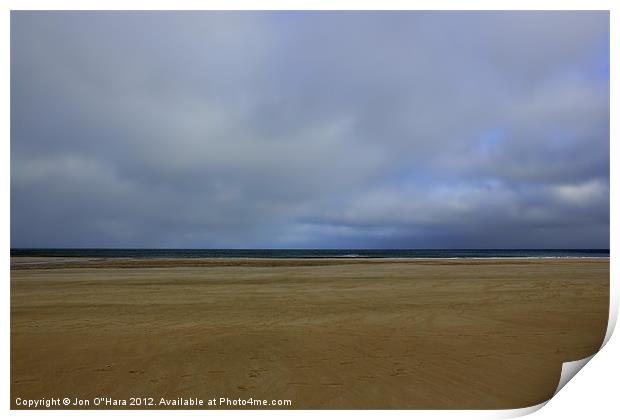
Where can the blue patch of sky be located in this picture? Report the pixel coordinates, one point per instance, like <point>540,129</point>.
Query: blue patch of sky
<point>601,65</point>
<point>597,67</point>
<point>491,140</point>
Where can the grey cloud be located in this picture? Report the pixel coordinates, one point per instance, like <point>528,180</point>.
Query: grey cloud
<point>223,129</point>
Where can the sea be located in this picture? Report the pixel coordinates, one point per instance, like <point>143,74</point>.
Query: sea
<point>308,253</point>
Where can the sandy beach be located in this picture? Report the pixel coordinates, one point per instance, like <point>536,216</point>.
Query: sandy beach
<point>325,334</point>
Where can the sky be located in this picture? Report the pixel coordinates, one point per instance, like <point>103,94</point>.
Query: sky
<point>310,129</point>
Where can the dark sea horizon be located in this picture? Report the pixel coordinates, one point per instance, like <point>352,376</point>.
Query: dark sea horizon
<point>307,253</point>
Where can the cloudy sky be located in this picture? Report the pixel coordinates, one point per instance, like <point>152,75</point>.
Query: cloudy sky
<point>310,130</point>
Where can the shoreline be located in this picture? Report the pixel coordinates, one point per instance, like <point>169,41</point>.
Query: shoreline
<point>51,262</point>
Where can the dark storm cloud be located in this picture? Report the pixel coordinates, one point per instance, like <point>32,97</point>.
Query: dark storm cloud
<point>219,129</point>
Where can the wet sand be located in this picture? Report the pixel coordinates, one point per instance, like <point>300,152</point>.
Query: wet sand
<point>328,334</point>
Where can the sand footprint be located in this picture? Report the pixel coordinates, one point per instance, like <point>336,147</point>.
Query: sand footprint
<point>107,368</point>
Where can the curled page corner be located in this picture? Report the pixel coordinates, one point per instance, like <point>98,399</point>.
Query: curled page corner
<point>570,369</point>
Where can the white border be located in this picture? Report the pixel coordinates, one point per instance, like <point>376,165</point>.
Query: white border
<point>592,394</point>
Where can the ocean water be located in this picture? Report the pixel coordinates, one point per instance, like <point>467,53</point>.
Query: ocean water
<point>310,253</point>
